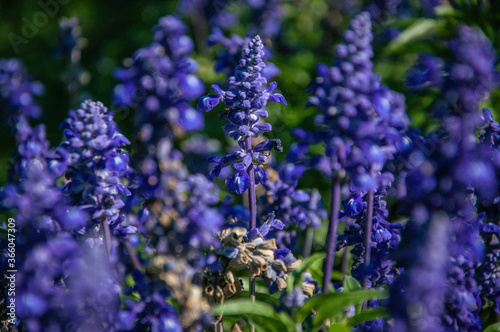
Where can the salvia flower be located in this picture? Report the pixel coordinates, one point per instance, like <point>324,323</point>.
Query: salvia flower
<point>452,180</point>
<point>32,145</point>
<point>17,92</point>
<point>160,82</point>
<point>70,41</point>
<point>362,119</point>
<point>94,160</point>
<point>462,302</point>
<point>361,126</point>
<point>246,98</point>
<point>298,209</point>
<point>69,47</point>
<point>465,80</point>
<point>50,261</point>
<point>385,238</point>
<point>418,296</point>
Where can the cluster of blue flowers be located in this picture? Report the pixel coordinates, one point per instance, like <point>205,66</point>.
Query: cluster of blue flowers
<point>115,234</point>
<point>447,184</point>
<point>246,97</point>
<point>17,92</point>
<point>363,128</point>
<point>93,159</point>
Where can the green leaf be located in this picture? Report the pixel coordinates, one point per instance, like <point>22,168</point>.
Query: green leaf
<point>335,327</point>
<point>419,29</point>
<point>260,314</point>
<point>493,328</point>
<point>351,284</point>
<point>367,315</point>
<point>308,262</point>
<point>446,10</point>
<point>262,297</point>
<point>295,276</point>
<point>335,303</point>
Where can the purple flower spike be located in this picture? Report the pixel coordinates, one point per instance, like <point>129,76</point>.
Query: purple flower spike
<point>17,92</point>
<point>246,97</point>
<point>95,159</point>
<point>161,82</point>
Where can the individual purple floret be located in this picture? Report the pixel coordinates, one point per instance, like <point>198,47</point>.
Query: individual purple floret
<point>427,72</point>
<point>246,98</point>
<point>17,92</point>
<point>93,159</point>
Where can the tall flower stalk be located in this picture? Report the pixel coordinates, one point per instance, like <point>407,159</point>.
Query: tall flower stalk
<point>246,98</point>
<point>361,126</point>
<point>94,160</point>
<point>454,179</point>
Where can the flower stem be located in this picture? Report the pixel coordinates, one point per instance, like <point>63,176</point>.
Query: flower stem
<point>133,256</point>
<point>252,297</point>
<point>345,262</point>
<point>219,327</point>
<point>308,243</point>
<point>331,237</point>
<point>106,238</point>
<point>368,233</point>
<point>252,204</point>
<point>252,198</point>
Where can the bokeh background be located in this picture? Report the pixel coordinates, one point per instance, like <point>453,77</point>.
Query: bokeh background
<point>113,30</point>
